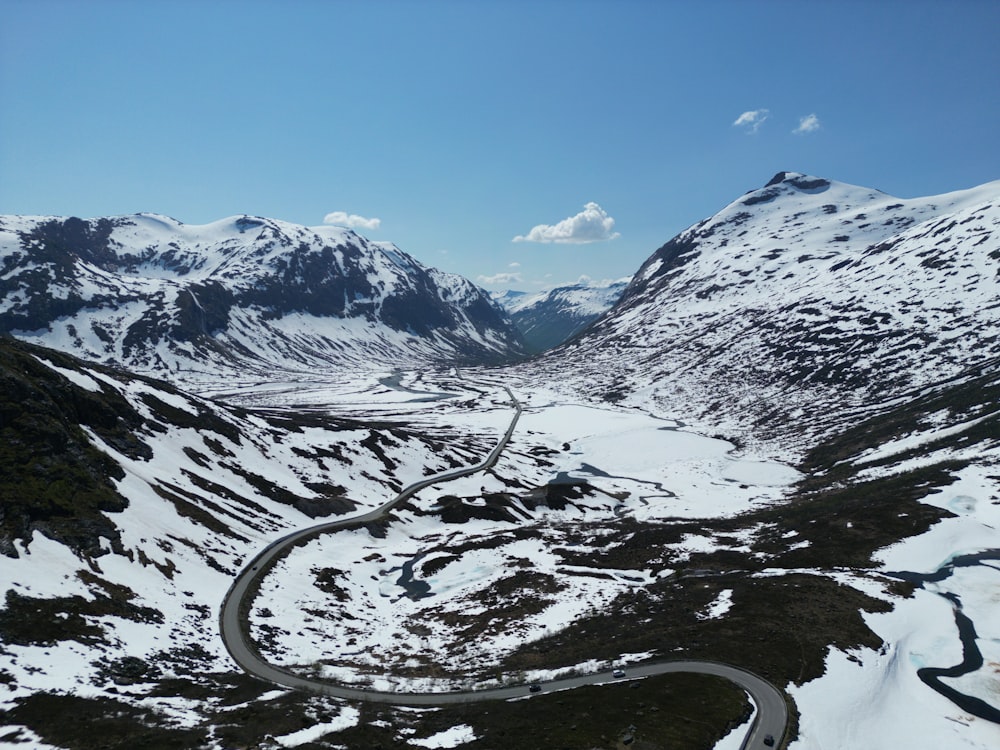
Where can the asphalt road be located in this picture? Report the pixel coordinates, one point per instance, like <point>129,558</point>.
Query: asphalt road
<point>771,717</point>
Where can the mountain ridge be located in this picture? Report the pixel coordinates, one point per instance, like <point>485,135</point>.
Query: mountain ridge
<point>804,293</point>
<point>244,293</point>
<point>855,382</point>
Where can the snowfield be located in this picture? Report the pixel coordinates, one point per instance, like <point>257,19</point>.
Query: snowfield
<point>676,474</point>
<point>874,699</point>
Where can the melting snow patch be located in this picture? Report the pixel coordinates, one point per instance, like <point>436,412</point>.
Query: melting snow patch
<point>875,699</point>
<point>77,378</point>
<point>722,604</point>
<point>734,740</point>
<point>895,447</point>
<point>20,737</point>
<point>453,737</point>
<point>692,543</point>
<point>348,718</point>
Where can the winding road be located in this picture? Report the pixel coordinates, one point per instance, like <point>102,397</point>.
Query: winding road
<point>770,719</point>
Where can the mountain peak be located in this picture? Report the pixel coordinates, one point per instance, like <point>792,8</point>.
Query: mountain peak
<point>799,181</point>
<point>807,291</point>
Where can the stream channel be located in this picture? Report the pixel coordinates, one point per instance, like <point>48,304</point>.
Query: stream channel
<point>972,658</point>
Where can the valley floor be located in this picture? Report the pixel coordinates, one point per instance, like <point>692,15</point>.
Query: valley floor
<point>603,537</point>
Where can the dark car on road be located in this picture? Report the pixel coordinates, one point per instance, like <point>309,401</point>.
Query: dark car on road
<point>535,688</point>
<point>769,740</point>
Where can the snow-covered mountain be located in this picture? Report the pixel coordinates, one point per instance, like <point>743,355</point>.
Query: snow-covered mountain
<point>547,319</point>
<point>846,338</point>
<point>802,302</point>
<point>243,294</point>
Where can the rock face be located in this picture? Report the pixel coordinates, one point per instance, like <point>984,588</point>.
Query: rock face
<point>803,300</point>
<point>152,294</point>
<point>547,319</point>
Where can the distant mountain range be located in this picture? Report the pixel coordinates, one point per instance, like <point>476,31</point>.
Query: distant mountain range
<point>241,295</point>
<point>800,303</point>
<point>547,319</point>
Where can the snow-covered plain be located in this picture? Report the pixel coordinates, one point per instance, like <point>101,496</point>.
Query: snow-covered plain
<point>677,474</point>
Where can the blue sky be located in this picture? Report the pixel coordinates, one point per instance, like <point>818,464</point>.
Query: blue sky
<point>452,128</point>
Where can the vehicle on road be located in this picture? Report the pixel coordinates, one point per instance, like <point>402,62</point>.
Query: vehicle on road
<point>618,673</point>
<point>769,740</point>
<point>535,688</point>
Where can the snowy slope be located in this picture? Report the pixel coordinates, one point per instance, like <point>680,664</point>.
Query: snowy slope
<point>240,295</point>
<point>800,300</point>
<point>548,318</point>
<point>128,505</point>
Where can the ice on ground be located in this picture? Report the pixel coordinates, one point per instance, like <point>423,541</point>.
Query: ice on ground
<point>676,473</point>
<point>760,473</point>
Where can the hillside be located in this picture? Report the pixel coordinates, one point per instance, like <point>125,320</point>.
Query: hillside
<point>799,307</point>
<point>127,505</point>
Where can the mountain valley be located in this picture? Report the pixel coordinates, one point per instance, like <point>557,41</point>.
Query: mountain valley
<point>779,449</point>
<point>547,319</point>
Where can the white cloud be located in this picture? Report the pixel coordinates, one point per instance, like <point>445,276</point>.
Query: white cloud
<point>592,224</point>
<point>752,120</point>
<point>807,124</point>
<point>515,264</point>
<point>501,278</point>
<point>351,221</point>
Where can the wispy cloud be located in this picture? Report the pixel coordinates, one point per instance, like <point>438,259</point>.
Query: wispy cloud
<point>752,120</point>
<point>501,278</point>
<point>351,221</point>
<point>807,124</point>
<point>514,264</point>
<point>592,224</point>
